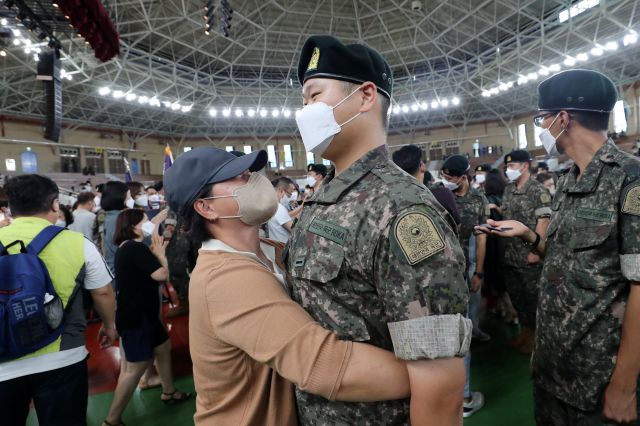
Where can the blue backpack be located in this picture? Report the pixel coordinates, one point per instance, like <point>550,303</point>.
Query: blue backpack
<point>31,313</point>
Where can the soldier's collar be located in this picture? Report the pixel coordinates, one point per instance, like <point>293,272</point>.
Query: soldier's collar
<point>589,180</point>
<point>334,186</point>
<point>524,187</point>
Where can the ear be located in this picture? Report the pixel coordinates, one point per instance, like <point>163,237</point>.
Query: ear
<point>369,96</point>
<point>55,205</point>
<point>205,210</point>
<point>423,167</point>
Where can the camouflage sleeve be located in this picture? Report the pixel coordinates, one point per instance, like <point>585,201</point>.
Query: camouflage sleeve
<point>542,202</point>
<point>418,270</point>
<point>629,231</point>
<point>484,213</point>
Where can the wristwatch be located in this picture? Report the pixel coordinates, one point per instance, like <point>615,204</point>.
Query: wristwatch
<point>479,274</point>
<point>534,244</point>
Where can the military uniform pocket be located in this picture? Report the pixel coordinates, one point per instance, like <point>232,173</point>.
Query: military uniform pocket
<point>322,263</point>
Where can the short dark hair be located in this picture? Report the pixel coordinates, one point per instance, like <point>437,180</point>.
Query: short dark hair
<point>194,225</point>
<point>408,158</point>
<point>384,102</point>
<point>114,195</point>
<point>127,220</point>
<point>135,188</point>
<point>85,197</point>
<point>594,121</point>
<point>543,177</point>
<point>159,185</point>
<point>30,194</point>
<point>66,212</point>
<point>282,182</point>
<point>494,183</point>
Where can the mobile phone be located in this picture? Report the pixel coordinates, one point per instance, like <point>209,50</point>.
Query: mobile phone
<point>493,228</point>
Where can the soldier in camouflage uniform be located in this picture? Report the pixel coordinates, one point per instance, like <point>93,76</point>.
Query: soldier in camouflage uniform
<point>528,201</point>
<point>586,363</point>
<point>181,258</point>
<point>474,210</point>
<point>374,257</point>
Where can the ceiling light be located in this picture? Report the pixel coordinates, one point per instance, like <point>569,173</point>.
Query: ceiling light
<point>154,102</point>
<point>510,85</point>
<point>3,21</point>
<point>166,104</point>
<point>239,113</point>
<point>455,101</point>
<point>405,108</point>
<point>434,104</point>
<point>503,87</point>
<point>597,51</point>
<point>16,42</point>
<point>16,33</point>
<point>396,110</point>
<point>275,113</point>
<point>226,112</point>
<point>569,61</point>
<point>543,71</point>
<point>143,99</point>
<point>532,76</point>
<point>612,45</point>
<point>582,57</point>
<point>213,112</point>
<point>263,113</point>
<point>414,107</point>
<point>522,80</point>
<point>630,38</point>
<point>486,93</point>
<point>103,91</point>
<point>118,94</point>
<point>186,108</point>
<point>493,91</point>
<point>554,67</point>
<point>424,106</point>
<point>251,112</point>
<point>3,52</point>
<point>444,102</point>
<point>131,97</point>
<point>36,57</point>
<point>27,50</point>
<point>287,113</point>
<point>175,106</point>
<point>298,112</point>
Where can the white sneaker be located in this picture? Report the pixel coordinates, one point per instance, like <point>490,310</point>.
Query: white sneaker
<point>476,403</point>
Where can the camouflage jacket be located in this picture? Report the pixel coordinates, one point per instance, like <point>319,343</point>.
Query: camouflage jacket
<point>473,211</point>
<point>526,205</point>
<point>375,258</point>
<point>592,255</point>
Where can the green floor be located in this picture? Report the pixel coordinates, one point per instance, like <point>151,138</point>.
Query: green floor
<point>500,372</point>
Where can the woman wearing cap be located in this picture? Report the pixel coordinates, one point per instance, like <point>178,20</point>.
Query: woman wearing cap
<point>246,335</point>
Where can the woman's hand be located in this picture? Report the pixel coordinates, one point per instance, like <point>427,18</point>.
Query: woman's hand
<point>513,228</point>
<point>158,246</point>
<point>160,217</point>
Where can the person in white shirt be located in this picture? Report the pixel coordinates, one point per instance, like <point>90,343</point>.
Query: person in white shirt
<point>83,217</point>
<point>279,225</point>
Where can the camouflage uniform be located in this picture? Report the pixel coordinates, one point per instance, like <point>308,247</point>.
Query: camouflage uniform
<point>375,258</point>
<point>473,211</point>
<point>592,255</point>
<point>181,258</point>
<point>527,205</point>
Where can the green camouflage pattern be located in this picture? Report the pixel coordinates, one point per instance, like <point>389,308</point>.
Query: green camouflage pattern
<point>357,287</point>
<point>522,286</point>
<point>525,205</point>
<point>473,211</point>
<point>583,290</point>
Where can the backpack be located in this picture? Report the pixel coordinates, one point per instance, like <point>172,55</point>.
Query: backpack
<point>31,313</point>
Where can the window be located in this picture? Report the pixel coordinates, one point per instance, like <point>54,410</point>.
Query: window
<point>247,149</point>
<point>522,136</point>
<point>228,148</point>
<point>435,152</point>
<point>326,162</point>
<point>10,164</point>
<point>536,135</point>
<point>69,161</point>
<point>288,156</point>
<point>116,162</point>
<point>619,118</point>
<point>271,154</point>
<point>94,161</point>
<point>145,167</point>
<point>311,158</point>
<point>187,148</point>
<point>452,148</point>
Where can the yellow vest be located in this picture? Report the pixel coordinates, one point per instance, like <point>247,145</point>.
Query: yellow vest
<point>63,257</point>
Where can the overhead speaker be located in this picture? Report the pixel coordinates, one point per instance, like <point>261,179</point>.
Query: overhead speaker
<point>49,73</point>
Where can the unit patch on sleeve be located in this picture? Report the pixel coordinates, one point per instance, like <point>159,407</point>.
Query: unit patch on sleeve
<point>417,236</point>
<point>631,201</point>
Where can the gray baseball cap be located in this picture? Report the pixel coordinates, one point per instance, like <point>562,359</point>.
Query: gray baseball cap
<point>202,166</point>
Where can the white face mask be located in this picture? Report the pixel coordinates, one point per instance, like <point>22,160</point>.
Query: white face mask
<point>129,203</point>
<point>61,223</point>
<point>549,141</point>
<point>318,125</point>
<point>480,179</point>
<point>154,201</point>
<point>294,196</point>
<point>147,228</point>
<point>311,181</point>
<point>513,175</point>
<point>142,201</point>
<point>96,201</point>
<point>451,186</point>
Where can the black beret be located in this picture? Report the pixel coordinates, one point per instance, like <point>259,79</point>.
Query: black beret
<point>318,168</point>
<point>483,168</point>
<point>195,169</point>
<point>456,165</point>
<point>543,165</point>
<point>517,156</point>
<point>577,90</point>
<point>325,56</point>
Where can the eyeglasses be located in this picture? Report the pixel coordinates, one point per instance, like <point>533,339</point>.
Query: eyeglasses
<point>538,119</point>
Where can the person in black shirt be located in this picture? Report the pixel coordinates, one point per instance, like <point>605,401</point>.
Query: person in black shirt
<point>140,270</point>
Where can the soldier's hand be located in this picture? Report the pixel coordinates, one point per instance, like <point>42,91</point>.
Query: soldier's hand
<point>476,283</point>
<point>619,404</point>
<point>512,228</point>
<point>532,258</point>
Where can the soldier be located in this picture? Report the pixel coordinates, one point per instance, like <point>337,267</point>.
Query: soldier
<point>374,257</point>
<point>181,256</point>
<point>480,176</point>
<point>474,210</point>
<point>528,201</point>
<point>585,363</point>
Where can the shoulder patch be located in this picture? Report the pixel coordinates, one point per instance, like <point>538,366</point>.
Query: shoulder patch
<point>631,200</point>
<point>545,198</point>
<point>417,236</point>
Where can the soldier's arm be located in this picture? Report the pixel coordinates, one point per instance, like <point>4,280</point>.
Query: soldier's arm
<point>419,269</point>
<point>622,387</point>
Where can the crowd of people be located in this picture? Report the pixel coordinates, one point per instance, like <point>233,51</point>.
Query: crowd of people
<point>352,299</point>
